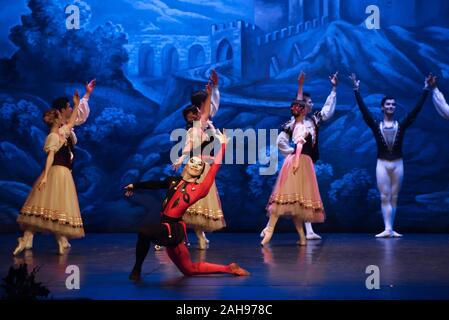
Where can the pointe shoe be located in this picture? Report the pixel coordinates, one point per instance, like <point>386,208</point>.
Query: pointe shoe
<point>158,248</point>
<point>20,246</point>
<point>313,236</point>
<point>237,270</point>
<point>135,276</point>
<point>397,235</point>
<point>385,234</point>
<point>267,236</point>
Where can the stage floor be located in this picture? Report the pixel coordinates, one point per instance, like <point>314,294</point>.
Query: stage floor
<point>414,267</point>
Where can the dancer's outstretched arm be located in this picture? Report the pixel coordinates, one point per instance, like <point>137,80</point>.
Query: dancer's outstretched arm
<point>210,177</point>
<point>150,184</point>
<point>301,79</point>
<point>328,109</point>
<point>363,108</point>
<point>215,98</point>
<point>83,104</point>
<point>440,103</point>
<point>411,116</point>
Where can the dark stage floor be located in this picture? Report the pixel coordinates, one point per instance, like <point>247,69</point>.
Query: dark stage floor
<point>414,267</point>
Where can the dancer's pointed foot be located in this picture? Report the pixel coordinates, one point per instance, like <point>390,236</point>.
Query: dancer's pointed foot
<point>237,270</point>
<point>385,234</point>
<point>21,245</point>
<point>268,233</point>
<point>313,236</point>
<point>301,242</point>
<point>396,235</point>
<point>135,275</point>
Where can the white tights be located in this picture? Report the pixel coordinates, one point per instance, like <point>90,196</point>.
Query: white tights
<point>389,176</point>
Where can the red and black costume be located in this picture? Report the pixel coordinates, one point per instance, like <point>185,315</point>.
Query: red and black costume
<point>171,231</point>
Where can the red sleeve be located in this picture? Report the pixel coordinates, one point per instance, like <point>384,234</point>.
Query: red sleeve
<point>210,178</point>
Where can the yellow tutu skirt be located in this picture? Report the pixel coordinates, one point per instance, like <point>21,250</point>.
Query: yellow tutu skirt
<point>297,194</point>
<point>54,208</point>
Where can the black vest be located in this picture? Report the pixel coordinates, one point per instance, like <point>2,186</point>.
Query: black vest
<point>63,156</point>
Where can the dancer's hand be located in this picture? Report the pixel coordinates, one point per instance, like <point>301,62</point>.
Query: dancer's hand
<point>355,81</point>
<point>76,98</point>
<point>214,78</point>
<point>42,182</point>
<point>430,82</point>
<point>221,136</point>
<point>129,190</point>
<point>295,169</point>
<point>175,166</point>
<point>90,86</point>
<point>301,78</point>
<point>334,79</point>
<point>209,89</point>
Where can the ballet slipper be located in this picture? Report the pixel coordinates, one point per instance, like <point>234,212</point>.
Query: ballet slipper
<point>313,236</point>
<point>385,234</point>
<point>268,233</point>
<point>397,235</point>
<point>237,270</point>
<point>158,248</point>
<point>20,246</point>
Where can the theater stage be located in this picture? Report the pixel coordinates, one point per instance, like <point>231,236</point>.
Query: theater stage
<point>414,267</point>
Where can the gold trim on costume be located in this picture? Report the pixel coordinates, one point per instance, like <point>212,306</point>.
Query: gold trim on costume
<point>296,198</point>
<point>53,215</point>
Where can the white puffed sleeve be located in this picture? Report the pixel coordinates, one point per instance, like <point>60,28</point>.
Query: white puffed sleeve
<point>440,103</point>
<point>83,112</point>
<point>328,109</point>
<point>300,133</point>
<point>283,144</point>
<point>52,143</point>
<point>214,101</point>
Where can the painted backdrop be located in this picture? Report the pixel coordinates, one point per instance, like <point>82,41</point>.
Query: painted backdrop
<point>149,56</point>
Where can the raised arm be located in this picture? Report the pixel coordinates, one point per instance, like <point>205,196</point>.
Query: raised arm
<point>411,116</point>
<point>210,177</point>
<point>363,108</point>
<point>215,98</point>
<point>83,108</point>
<point>150,184</point>
<point>440,103</point>
<point>301,79</point>
<point>328,109</point>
